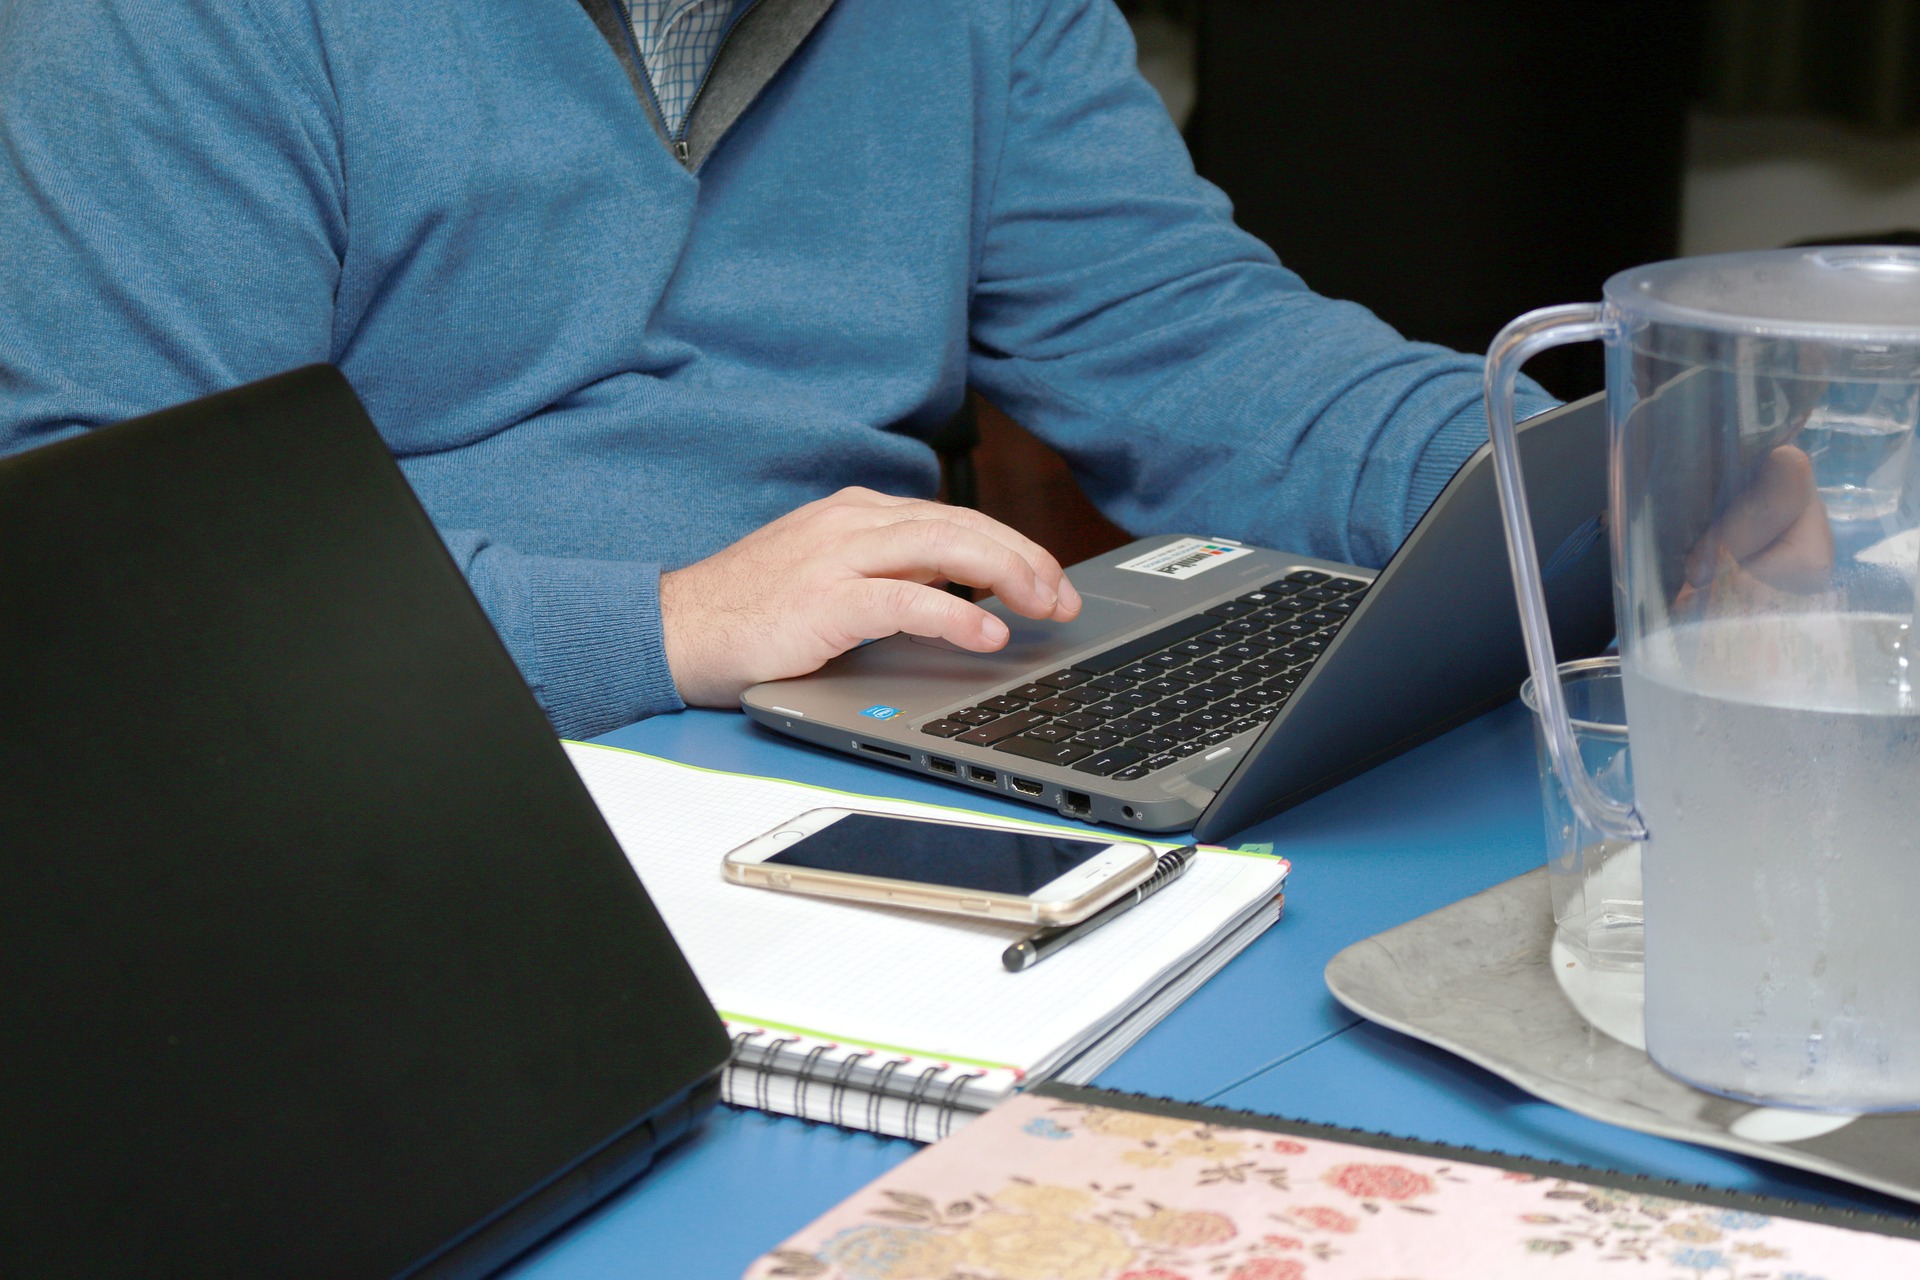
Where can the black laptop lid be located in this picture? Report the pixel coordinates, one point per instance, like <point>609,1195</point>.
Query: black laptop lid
<point>317,957</point>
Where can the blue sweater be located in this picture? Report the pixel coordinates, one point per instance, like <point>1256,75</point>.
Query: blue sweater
<point>594,361</point>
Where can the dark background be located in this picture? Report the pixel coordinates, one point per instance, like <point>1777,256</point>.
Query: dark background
<point>1450,165</point>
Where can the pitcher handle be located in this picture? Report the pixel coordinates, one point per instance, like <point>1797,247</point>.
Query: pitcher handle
<point>1525,337</point>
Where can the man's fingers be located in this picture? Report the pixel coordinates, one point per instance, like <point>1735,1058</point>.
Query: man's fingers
<point>855,495</point>
<point>1045,568</point>
<point>926,549</point>
<point>1782,498</point>
<point>846,568</point>
<point>866,507</point>
<point>875,607</point>
<point>1800,559</point>
<point>981,523</point>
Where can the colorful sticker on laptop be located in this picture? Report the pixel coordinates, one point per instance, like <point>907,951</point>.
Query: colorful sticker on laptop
<point>880,711</point>
<point>1185,558</point>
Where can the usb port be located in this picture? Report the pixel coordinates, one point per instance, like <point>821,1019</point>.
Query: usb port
<point>978,774</point>
<point>1024,787</point>
<point>947,767</point>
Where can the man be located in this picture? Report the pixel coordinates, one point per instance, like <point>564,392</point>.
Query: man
<point>613,320</point>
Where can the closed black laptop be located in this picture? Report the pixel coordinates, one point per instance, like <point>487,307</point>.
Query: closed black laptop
<point>317,958</point>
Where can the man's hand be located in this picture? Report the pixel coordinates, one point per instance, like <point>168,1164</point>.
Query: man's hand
<point>851,567</point>
<point>1774,538</point>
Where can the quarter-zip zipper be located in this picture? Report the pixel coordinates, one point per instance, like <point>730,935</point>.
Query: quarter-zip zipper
<point>646,75</point>
<point>675,139</point>
<point>680,147</point>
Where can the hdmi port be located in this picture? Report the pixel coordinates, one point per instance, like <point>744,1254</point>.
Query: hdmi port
<point>1024,787</point>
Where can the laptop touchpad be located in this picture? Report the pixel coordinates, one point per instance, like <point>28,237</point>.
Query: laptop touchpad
<point>1033,643</point>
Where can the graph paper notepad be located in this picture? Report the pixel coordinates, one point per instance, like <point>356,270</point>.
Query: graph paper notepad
<point>892,1020</point>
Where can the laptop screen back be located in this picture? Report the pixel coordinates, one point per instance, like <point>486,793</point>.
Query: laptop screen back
<point>318,958</point>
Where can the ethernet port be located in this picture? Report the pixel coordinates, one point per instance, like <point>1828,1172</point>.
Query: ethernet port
<point>1076,804</point>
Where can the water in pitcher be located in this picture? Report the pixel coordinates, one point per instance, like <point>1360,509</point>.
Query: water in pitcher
<point>1782,903</point>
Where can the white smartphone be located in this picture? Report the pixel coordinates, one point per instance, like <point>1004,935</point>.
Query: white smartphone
<point>1000,873</point>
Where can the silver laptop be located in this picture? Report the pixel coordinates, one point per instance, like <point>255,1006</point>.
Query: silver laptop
<point>1209,684</point>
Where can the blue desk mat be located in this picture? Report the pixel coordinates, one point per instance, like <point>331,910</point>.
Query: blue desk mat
<point>1446,820</point>
<point>738,1186</point>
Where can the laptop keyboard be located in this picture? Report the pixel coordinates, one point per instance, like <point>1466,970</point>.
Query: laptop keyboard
<point>1172,693</point>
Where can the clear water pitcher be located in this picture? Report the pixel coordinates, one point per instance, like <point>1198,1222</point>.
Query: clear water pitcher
<point>1765,524</point>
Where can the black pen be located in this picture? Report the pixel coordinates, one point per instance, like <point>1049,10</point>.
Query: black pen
<point>1035,947</point>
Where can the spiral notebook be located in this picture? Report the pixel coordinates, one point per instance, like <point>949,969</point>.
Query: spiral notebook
<point>890,1020</point>
<point>1094,1184</point>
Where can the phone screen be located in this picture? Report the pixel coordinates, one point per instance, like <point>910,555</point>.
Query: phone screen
<point>867,844</point>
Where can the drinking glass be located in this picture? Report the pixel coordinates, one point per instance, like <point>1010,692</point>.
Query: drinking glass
<point>1594,878</point>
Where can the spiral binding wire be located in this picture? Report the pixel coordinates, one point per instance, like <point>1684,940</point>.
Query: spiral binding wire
<point>917,1095</point>
<point>763,1078</point>
<point>839,1092</point>
<point>734,1055</point>
<point>950,1101</point>
<point>806,1074</point>
<point>933,1095</point>
<point>878,1097</point>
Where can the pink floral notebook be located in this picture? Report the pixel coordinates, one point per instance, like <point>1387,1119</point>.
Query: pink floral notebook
<point>1081,1184</point>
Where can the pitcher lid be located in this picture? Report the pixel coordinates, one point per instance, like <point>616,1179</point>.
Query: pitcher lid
<point>1853,293</point>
